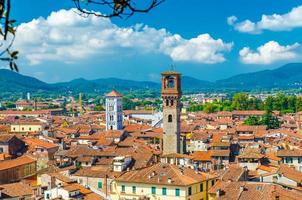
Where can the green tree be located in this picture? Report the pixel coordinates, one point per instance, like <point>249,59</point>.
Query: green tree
<point>98,108</point>
<point>270,121</point>
<point>298,104</point>
<point>240,101</point>
<point>252,121</point>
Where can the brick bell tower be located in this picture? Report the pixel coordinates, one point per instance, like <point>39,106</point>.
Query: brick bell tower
<point>171,94</point>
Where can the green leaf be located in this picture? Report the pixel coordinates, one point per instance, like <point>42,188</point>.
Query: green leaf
<point>11,30</point>
<point>12,21</point>
<point>14,54</point>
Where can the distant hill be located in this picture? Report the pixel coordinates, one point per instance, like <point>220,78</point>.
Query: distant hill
<point>104,85</point>
<point>287,76</point>
<point>190,84</point>
<point>14,82</point>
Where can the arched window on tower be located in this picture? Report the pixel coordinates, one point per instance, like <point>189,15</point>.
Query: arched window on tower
<point>171,82</point>
<point>167,102</point>
<point>171,102</point>
<point>169,118</point>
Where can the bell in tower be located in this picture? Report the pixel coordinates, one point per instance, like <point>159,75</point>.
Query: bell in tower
<point>171,94</point>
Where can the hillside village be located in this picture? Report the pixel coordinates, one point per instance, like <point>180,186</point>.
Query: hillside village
<point>115,154</point>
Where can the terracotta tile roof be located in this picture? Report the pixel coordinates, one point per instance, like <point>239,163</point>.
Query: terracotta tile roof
<point>5,138</point>
<point>251,191</point>
<point>248,112</point>
<point>289,153</point>
<point>246,137</point>
<point>113,133</point>
<point>246,128</point>
<point>136,127</point>
<point>93,196</point>
<point>97,173</point>
<point>267,168</point>
<point>27,122</point>
<point>251,153</point>
<point>16,162</point>
<point>22,112</point>
<point>273,156</point>
<point>161,173</point>
<point>61,177</point>
<point>233,173</point>
<point>34,143</point>
<point>82,150</point>
<point>113,93</point>
<point>201,155</point>
<point>85,159</point>
<point>71,188</point>
<point>220,153</point>
<point>129,112</point>
<point>16,190</point>
<point>147,134</point>
<point>200,135</point>
<point>220,144</point>
<point>290,173</point>
<point>287,194</point>
<point>175,155</point>
<point>224,114</point>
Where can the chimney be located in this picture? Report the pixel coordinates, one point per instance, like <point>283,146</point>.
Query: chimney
<point>153,173</point>
<point>241,189</point>
<point>169,180</point>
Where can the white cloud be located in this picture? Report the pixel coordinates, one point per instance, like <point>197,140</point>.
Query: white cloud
<point>274,22</point>
<point>203,49</point>
<point>269,53</point>
<point>67,37</point>
<point>231,20</point>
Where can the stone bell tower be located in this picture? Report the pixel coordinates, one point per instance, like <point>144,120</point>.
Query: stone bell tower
<point>114,111</point>
<point>171,94</point>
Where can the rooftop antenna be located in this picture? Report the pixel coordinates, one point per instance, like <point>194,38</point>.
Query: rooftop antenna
<point>172,67</point>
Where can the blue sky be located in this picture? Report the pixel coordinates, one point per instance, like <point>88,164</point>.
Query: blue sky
<point>208,39</point>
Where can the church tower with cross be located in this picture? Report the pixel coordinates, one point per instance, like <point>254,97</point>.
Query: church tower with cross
<point>171,94</point>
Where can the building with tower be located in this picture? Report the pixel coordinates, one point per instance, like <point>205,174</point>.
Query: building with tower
<point>171,94</point>
<point>114,111</point>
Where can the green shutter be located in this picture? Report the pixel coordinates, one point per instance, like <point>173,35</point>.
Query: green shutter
<point>123,188</point>
<point>153,190</point>
<point>133,189</point>
<point>164,191</point>
<point>177,192</point>
<point>100,185</point>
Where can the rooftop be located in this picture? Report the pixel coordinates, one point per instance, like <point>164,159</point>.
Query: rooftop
<point>164,174</point>
<point>114,93</point>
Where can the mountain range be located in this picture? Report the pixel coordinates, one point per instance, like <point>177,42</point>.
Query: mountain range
<point>284,77</point>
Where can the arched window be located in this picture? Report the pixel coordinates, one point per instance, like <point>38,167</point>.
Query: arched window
<point>170,82</point>
<point>167,102</point>
<point>171,102</point>
<point>169,118</point>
